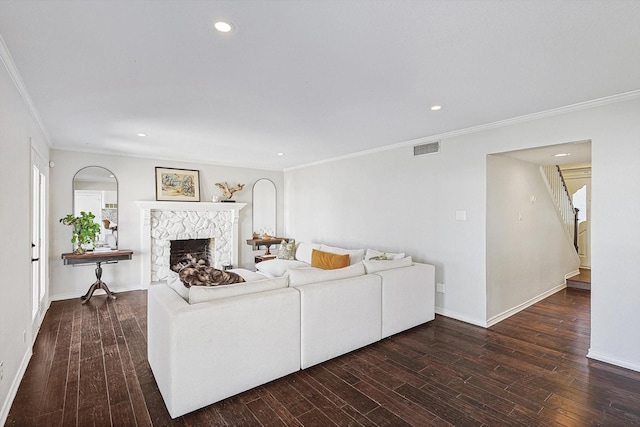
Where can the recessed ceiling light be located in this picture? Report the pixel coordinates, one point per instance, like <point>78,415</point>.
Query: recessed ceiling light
<point>142,134</point>
<point>562,155</point>
<point>280,154</point>
<point>223,27</point>
<point>436,107</point>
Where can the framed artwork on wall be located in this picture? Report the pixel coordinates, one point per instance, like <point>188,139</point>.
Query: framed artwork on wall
<point>177,185</point>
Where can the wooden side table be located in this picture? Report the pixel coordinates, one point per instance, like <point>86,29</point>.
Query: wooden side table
<point>256,243</point>
<point>98,258</point>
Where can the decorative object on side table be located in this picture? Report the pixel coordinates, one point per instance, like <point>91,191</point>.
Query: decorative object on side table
<point>84,229</point>
<point>228,192</point>
<point>177,185</point>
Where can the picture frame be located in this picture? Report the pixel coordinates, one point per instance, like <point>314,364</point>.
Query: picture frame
<point>177,185</point>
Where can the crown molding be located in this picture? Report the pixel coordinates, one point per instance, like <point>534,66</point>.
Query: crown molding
<point>7,60</point>
<point>502,123</point>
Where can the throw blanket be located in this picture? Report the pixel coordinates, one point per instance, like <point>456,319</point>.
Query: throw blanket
<point>198,272</point>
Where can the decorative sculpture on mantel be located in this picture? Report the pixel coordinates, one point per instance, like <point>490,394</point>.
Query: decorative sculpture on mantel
<point>228,192</point>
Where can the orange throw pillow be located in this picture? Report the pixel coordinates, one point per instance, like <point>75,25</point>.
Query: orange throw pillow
<point>328,261</point>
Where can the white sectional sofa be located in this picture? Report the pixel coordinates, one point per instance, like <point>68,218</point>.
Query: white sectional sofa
<point>235,337</point>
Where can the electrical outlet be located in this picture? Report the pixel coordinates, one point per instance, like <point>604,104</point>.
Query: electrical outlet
<point>440,288</point>
<point>1,370</point>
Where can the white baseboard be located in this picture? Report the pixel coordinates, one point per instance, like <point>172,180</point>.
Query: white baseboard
<point>570,275</point>
<point>6,405</point>
<point>461,317</point>
<point>635,366</point>
<point>73,295</point>
<point>508,313</point>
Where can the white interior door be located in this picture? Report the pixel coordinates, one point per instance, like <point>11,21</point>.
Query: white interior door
<point>38,246</point>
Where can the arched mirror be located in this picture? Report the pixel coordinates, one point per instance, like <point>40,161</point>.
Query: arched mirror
<point>95,190</point>
<point>264,207</point>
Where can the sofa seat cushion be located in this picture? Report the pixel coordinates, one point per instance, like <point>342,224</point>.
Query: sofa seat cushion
<point>355,255</point>
<point>278,267</point>
<point>199,294</point>
<point>308,275</point>
<point>389,264</point>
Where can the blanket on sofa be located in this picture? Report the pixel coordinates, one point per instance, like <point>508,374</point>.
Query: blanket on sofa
<point>198,272</point>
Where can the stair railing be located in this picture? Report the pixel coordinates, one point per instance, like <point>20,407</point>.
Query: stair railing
<point>560,193</point>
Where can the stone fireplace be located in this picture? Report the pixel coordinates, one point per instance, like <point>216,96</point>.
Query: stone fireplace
<point>163,222</point>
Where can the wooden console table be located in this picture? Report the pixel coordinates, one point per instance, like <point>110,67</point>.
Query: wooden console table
<point>107,257</point>
<point>256,243</point>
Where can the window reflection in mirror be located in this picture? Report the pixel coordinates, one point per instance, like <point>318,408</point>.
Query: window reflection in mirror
<point>264,207</point>
<point>95,190</point>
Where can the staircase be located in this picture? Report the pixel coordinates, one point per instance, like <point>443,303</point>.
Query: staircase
<point>558,189</point>
<point>580,281</point>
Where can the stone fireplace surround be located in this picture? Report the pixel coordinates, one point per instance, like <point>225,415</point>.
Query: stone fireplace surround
<point>166,221</point>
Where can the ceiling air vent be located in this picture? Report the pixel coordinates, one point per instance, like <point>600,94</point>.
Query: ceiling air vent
<point>430,148</point>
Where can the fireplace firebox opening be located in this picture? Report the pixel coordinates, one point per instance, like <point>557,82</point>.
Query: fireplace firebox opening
<point>198,248</point>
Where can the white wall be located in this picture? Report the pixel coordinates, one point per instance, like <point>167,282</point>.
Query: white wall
<point>18,132</point>
<point>615,236</point>
<point>392,201</point>
<point>136,181</point>
<point>528,251</point>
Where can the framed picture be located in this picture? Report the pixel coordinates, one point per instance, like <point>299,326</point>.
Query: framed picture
<point>177,185</point>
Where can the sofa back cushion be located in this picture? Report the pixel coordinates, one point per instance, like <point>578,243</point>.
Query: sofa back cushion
<point>174,282</point>
<point>373,266</point>
<point>328,261</point>
<point>306,276</point>
<point>372,253</point>
<point>355,255</point>
<point>304,250</point>
<point>199,294</point>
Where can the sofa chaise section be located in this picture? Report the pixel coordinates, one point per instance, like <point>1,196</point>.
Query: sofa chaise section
<point>203,353</point>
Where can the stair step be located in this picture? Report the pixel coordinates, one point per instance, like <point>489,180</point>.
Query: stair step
<point>575,284</point>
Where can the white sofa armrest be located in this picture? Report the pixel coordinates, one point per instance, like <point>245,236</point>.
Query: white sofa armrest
<point>408,297</point>
<point>206,352</point>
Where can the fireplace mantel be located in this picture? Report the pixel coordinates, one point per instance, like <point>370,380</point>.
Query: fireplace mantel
<point>189,206</point>
<point>146,209</point>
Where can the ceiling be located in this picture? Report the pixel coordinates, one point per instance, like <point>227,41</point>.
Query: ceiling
<point>572,153</point>
<point>314,79</point>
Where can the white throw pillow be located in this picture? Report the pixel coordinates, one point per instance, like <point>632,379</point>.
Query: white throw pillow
<point>207,293</point>
<point>372,253</point>
<point>373,266</point>
<point>278,267</point>
<point>305,276</point>
<point>355,255</point>
<point>304,250</point>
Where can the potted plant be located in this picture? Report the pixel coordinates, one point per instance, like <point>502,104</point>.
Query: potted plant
<point>84,229</point>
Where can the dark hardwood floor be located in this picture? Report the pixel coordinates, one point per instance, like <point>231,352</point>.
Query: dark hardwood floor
<point>89,368</point>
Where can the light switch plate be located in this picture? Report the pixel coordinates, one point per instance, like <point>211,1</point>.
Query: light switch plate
<point>461,215</point>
